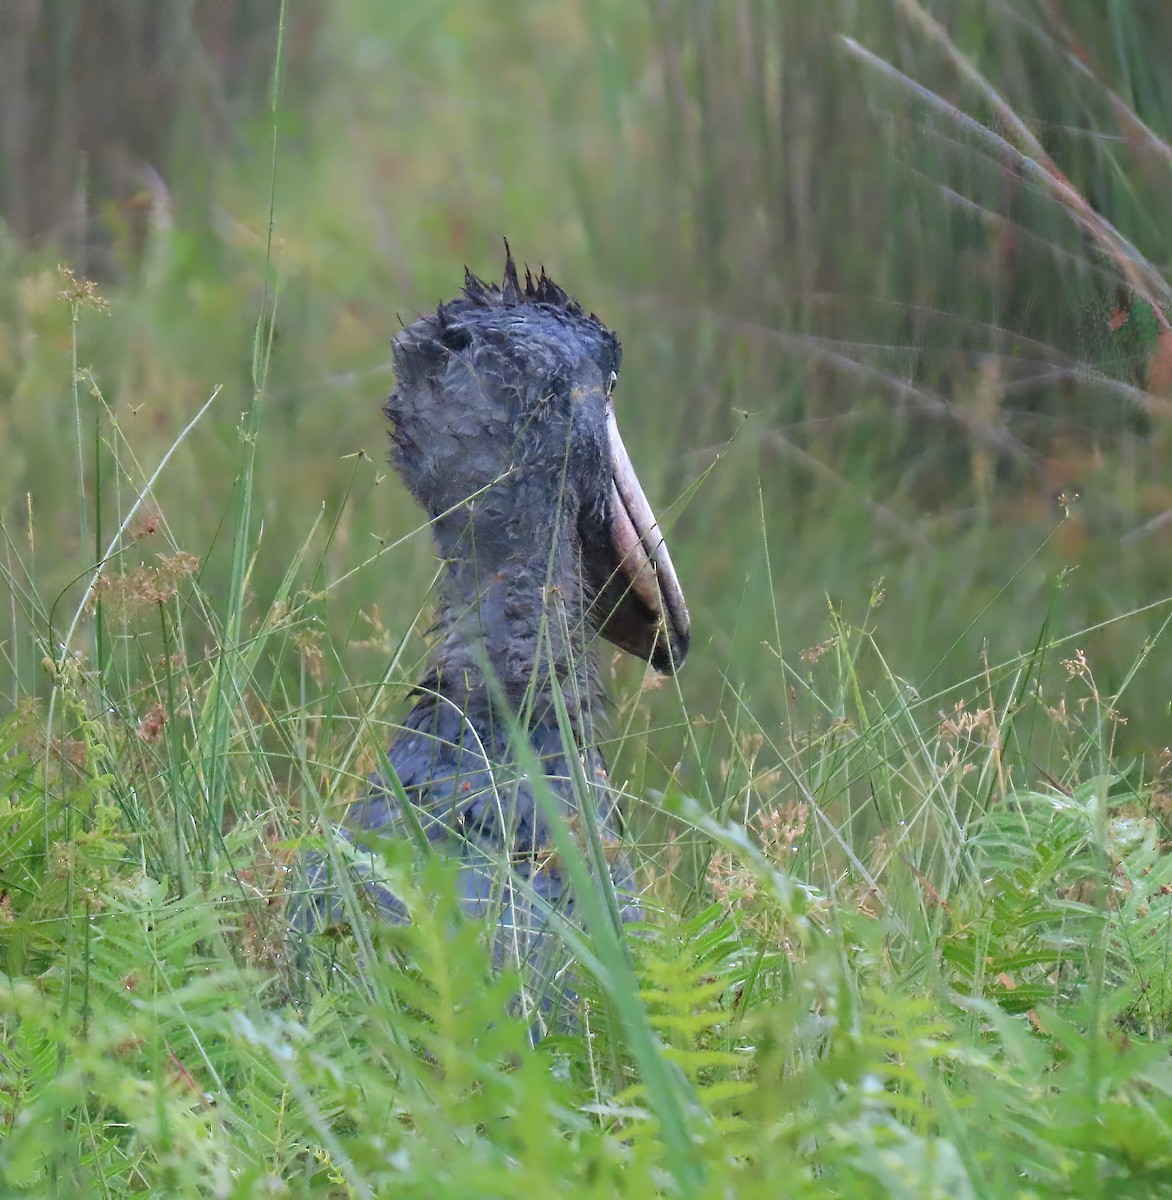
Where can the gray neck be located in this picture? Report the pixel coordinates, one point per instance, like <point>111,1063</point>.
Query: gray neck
<point>513,604</point>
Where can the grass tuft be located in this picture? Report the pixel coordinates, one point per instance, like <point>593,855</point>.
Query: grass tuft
<point>903,824</point>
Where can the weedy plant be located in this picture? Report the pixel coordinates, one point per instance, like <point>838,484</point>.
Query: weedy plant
<point>906,934</point>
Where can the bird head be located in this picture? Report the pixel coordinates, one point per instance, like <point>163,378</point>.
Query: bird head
<point>503,427</point>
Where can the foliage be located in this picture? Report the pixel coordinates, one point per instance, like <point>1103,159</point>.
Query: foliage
<point>908,890</point>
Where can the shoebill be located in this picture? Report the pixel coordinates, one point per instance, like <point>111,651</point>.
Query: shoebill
<point>503,426</point>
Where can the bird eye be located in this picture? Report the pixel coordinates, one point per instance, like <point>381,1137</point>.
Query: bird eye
<point>611,381</point>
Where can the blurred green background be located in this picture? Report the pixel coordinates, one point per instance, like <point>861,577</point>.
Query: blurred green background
<point>864,340</point>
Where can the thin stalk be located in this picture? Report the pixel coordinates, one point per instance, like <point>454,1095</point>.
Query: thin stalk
<point>228,682</point>
<point>101,650</point>
<point>75,314</point>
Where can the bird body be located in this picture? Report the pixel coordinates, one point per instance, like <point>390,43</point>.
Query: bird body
<point>503,429</point>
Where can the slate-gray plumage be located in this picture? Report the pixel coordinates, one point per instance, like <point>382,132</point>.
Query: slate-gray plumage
<point>503,429</point>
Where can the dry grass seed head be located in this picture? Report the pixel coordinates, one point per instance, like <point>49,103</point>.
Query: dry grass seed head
<point>149,522</point>
<point>81,291</point>
<point>781,828</point>
<point>963,725</point>
<point>309,646</point>
<point>812,654</point>
<point>151,725</point>
<point>145,587</point>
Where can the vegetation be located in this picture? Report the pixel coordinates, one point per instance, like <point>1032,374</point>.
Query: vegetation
<point>893,285</point>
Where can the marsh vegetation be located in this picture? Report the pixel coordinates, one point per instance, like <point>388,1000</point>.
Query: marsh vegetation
<point>892,283</point>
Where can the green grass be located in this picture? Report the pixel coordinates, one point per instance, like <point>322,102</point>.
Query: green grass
<point>903,820</point>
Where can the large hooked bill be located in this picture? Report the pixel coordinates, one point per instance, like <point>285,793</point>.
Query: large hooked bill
<point>650,618</point>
